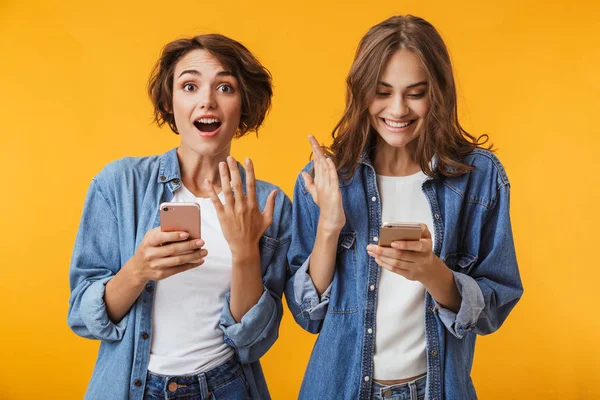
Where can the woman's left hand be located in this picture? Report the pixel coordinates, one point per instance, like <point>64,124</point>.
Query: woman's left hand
<point>241,220</point>
<point>413,259</point>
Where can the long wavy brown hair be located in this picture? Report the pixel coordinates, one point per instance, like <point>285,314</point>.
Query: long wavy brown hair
<point>442,134</point>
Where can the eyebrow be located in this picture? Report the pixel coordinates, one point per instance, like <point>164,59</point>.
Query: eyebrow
<point>196,72</point>
<point>414,85</point>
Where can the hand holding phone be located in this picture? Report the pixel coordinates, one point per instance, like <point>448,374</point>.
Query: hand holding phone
<point>393,231</point>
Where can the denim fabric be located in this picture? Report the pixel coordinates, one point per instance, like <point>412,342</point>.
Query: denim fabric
<point>121,206</point>
<point>473,236</point>
<point>225,382</point>
<point>414,390</point>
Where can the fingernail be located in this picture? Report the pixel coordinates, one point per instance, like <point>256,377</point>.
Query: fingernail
<point>369,247</point>
<point>198,243</point>
<point>183,235</point>
<point>247,160</point>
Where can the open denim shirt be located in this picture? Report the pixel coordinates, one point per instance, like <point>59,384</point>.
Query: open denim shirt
<point>473,237</point>
<point>122,204</point>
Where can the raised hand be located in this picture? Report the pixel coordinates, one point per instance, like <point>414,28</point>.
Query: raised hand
<point>241,220</point>
<point>324,189</point>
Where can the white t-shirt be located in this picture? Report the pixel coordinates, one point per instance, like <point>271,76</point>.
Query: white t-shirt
<point>186,338</point>
<point>400,321</point>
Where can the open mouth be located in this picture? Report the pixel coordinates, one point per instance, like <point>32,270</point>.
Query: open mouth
<point>207,125</point>
<point>397,124</point>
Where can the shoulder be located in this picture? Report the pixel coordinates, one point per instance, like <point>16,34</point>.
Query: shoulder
<point>127,169</point>
<point>483,184</point>
<point>487,166</point>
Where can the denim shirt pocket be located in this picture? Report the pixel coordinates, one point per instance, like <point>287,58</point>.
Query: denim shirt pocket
<point>460,262</point>
<point>267,246</point>
<point>343,298</point>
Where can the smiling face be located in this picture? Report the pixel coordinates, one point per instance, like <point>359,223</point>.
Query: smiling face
<point>398,110</point>
<point>207,104</point>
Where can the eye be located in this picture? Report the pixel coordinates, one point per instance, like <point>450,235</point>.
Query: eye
<point>416,95</point>
<point>225,88</point>
<point>382,94</point>
<point>188,87</point>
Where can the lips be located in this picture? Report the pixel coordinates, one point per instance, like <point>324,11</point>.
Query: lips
<point>208,126</point>
<point>397,124</point>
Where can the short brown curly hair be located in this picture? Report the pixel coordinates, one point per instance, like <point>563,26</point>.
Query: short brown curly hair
<point>254,79</point>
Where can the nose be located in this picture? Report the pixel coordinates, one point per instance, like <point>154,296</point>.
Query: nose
<point>399,107</point>
<point>206,99</point>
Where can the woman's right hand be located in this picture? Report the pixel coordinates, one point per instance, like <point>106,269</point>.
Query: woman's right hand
<point>324,189</point>
<point>163,254</point>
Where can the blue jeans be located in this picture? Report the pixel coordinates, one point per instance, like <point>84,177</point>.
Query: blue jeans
<point>225,382</point>
<point>414,390</point>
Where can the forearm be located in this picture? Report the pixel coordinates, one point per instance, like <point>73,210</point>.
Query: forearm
<point>246,282</point>
<point>121,292</point>
<point>443,288</point>
<point>322,259</point>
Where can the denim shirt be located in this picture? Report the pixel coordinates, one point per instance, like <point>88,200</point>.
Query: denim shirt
<point>122,204</point>
<point>473,237</point>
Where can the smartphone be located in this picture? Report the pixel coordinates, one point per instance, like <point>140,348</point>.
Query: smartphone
<point>184,216</point>
<point>392,231</point>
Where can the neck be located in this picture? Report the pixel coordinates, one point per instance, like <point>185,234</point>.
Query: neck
<point>395,161</point>
<point>197,168</point>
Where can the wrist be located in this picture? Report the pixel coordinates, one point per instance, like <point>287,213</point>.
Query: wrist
<point>328,229</point>
<point>245,254</point>
<point>132,274</point>
<point>439,277</point>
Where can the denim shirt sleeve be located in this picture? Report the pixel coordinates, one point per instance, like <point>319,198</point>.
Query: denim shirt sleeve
<point>259,327</point>
<point>95,261</point>
<point>493,286</point>
<point>303,300</point>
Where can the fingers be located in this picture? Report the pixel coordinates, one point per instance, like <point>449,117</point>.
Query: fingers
<point>212,193</point>
<point>397,270</point>
<point>250,183</point>
<point>317,151</point>
<point>194,257</point>
<point>173,249</point>
<point>419,246</point>
<point>425,234</point>
<point>236,181</point>
<point>155,237</point>
<point>269,208</point>
<point>391,254</point>
<point>225,183</point>
<point>333,176</point>
<point>310,185</point>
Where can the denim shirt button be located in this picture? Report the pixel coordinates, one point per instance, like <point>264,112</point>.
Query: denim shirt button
<point>366,379</point>
<point>372,287</point>
<point>162,178</point>
<point>375,238</point>
<point>176,181</point>
<point>373,198</point>
<point>370,330</point>
<point>149,288</point>
<point>145,335</point>
<point>434,353</point>
<point>137,383</point>
<point>437,216</point>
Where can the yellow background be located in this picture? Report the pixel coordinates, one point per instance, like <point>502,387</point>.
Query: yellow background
<point>72,98</point>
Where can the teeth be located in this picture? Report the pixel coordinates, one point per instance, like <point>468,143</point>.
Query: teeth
<point>208,120</point>
<point>396,124</point>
